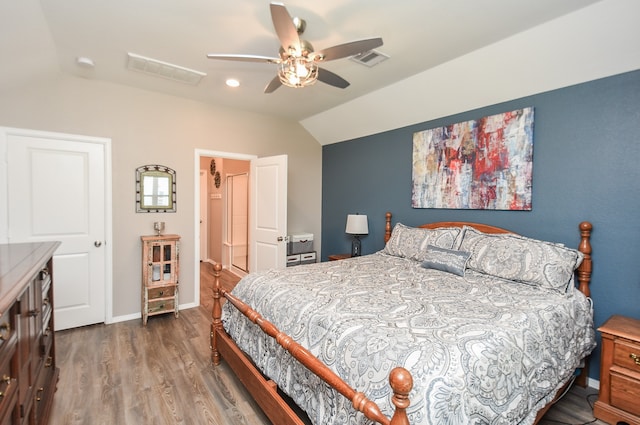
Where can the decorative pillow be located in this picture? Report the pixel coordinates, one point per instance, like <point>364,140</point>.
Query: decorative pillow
<point>521,259</point>
<point>411,242</point>
<point>446,260</point>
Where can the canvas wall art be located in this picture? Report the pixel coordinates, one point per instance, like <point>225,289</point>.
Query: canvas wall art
<point>478,164</point>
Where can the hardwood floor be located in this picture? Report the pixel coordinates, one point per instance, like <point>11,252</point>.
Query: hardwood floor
<point>126,373</point>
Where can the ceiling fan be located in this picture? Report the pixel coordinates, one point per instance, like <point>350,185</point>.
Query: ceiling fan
<point>297,61</point>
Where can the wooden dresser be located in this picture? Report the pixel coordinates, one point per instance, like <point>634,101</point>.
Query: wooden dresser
<point>28,369</point>
<point>160,272</point>
<point>619,398</point>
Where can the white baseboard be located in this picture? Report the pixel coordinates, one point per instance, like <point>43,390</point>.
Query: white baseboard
<point>125,318</point>
<point>138,316</point>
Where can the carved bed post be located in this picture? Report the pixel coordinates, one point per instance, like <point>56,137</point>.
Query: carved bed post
<point>401,382</point>
<point>584,270</point>
<point>216,314</point>
<point>584,279</point>
<point>387,227</point>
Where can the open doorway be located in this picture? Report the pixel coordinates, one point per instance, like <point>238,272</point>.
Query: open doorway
<point>209,221</point>
<point>267,176</point>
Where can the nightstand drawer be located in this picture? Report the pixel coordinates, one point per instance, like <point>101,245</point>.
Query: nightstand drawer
<point>160,306</point>
<point>626,354</point>
<point>624,391</point>
<point>164,292</point>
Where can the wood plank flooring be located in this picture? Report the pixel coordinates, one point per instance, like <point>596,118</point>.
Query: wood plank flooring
<point>126,373</point>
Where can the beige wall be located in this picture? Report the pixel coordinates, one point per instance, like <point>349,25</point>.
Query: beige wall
<point>149,128</point>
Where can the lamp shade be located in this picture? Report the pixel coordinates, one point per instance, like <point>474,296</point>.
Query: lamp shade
<point>357,224</point>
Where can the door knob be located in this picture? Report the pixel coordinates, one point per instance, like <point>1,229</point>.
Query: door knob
<point>280,238</point>
<point>97,244</point>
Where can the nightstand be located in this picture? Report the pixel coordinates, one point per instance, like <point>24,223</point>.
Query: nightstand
<point>334,257</point>
<point>619,372</point>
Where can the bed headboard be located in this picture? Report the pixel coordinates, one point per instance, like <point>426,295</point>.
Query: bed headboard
<point>485,228</point>
<point>583,272</point>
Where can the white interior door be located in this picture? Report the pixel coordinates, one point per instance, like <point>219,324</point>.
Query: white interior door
<point>268,213</point>
<point>56,191</point>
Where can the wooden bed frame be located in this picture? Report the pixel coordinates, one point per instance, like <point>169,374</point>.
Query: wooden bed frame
<point>265,392</point>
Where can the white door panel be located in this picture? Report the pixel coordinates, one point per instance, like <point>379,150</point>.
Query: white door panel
<point>69,268</point>
<point>56,191</point>
<point>268,217</point>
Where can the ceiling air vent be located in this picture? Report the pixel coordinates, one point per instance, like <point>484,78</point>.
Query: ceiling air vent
<point>164,69</point>
<point>369,58</point>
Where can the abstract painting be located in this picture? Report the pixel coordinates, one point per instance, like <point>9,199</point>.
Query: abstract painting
<point>478,164</point>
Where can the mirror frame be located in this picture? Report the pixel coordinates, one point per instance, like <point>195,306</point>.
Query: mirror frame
<point>155,171</point>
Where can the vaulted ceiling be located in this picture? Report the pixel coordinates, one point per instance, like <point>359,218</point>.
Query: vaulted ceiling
<point>43,37</point>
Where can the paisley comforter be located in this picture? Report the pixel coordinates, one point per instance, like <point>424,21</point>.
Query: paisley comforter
<point>482,350</point>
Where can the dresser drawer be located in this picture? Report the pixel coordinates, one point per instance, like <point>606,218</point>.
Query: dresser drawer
<point>46,342</point>
<point>161,306</point>
<point>163,292</point>
<point>7,333</point>
<point>8,387</point>
<point>625,388</point>
<point>44,389</point>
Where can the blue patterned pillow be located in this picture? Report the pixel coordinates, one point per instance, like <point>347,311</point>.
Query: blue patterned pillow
<point>513,257</point>
<point>446,260</point>
<point>411,242</point>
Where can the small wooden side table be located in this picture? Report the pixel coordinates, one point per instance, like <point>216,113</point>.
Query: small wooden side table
<point>334,257</point>
<point>160,271</point>
<point>619,372</point>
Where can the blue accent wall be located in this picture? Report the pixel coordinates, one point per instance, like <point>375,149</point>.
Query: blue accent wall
<point>586,166</point>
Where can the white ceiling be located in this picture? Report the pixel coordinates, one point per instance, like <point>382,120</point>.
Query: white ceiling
<point>44,37</point>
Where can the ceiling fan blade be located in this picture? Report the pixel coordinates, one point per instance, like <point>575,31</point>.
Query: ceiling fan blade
<point>332,79</point>
<point>349,49</point>
<point>285,28</point>
<point>244,58</point>
<point>273,85</point>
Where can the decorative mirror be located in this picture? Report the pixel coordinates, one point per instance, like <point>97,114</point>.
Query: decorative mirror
<point>155,189</point>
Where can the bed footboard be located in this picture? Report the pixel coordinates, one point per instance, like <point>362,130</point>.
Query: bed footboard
<point>265,391</point>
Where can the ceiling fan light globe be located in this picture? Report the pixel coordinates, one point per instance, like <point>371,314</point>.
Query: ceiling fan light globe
<point>301,70</point>
<point>298,72</point>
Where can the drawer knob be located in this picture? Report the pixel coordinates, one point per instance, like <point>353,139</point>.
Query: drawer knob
<point>635,358</point>
<point>5,331</point>
<point>7,380</point>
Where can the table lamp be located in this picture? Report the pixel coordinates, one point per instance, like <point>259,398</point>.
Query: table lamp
<point>357,226</point>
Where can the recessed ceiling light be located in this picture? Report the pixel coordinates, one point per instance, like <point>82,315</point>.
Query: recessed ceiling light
<point>232,82</point>
<point>85,62</point>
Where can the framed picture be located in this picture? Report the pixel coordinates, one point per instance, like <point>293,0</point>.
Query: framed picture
<point>478,164</point>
